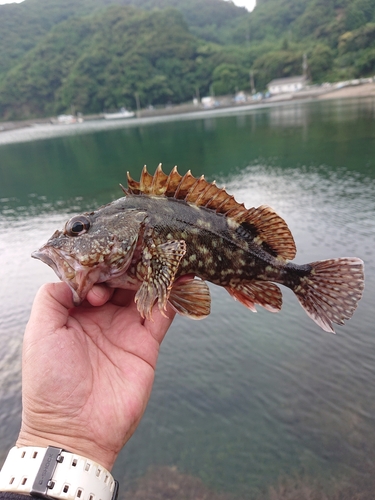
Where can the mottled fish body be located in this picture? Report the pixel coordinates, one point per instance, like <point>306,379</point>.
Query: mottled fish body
<point>169,226</point>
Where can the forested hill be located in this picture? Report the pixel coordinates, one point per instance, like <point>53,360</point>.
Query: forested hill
<point>23,25</point>
<point>94,55</point>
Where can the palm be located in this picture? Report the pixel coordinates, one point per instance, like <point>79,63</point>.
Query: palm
<point>95,370</point>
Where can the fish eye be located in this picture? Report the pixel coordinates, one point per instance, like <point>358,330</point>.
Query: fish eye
<point>77,225</point>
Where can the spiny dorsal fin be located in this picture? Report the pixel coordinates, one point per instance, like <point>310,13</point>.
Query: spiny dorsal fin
<point>269,227</point>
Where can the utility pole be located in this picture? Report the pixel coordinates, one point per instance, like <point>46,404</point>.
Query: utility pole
<point>252,82</point>
<point>304,65</point>
<point>138,104</point>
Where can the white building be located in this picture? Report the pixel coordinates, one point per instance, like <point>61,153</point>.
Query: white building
<point>287,85</point>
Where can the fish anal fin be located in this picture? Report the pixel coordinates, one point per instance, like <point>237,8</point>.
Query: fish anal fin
<point>330,293</point>
<point>264,293</point>
<point>157,270</point>
<point>191,298</point>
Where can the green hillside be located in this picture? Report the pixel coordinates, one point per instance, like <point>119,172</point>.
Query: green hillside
<point>101,61</point>
<point>95,55</point>
<point>23,25</point>
<point>338,37</point>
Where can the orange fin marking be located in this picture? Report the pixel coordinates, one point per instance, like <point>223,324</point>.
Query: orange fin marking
<point>186,183</point>
<point>191,298</point>
<point>146,182</point>
<point>269,227</point>
<point>237,213</point>
<point>216,199</point>
<point>133,186</point>
<point>264,293</point>
<point>172,183</point>
<point>158,182</point>
<point>207,195</point>
<point>228,202</point>
<point>330,293</point>
<point>196,190</point>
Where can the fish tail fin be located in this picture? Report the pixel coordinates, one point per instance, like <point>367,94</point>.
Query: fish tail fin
<point>330,292</point>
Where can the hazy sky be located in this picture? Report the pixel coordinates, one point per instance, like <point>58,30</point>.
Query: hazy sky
<point>249,4</point>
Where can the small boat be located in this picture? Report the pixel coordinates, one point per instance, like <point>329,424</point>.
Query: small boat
<point>66,119</point>
<point>123,113</point>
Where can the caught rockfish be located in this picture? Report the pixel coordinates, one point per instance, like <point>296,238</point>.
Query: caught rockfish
<point>168,226</point>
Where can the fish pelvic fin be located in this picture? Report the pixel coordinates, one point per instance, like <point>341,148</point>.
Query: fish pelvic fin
<point>330,293</point>
<point>264,293</point>
<point>191,298</point>
<point>267,228</point>
<point>159,265</point>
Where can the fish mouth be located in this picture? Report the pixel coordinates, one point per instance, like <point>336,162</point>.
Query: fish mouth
<point>44,257</point>
<point>79,278</point>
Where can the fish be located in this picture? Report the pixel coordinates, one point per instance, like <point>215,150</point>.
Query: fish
<point>171,234</point>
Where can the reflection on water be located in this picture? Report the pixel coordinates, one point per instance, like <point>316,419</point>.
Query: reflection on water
<point>289,117</point>
<point>240,399</point>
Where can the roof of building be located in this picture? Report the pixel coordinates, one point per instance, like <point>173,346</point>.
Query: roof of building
<point>290,79</point>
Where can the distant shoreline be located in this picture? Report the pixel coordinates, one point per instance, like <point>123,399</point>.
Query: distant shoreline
<point>191,111</point>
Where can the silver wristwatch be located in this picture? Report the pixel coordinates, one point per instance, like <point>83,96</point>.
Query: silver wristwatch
<point>55,473</point>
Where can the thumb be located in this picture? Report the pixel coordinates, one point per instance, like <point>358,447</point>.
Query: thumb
<point>50,308</point>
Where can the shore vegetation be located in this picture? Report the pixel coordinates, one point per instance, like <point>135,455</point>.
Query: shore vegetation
<point>91,56</point>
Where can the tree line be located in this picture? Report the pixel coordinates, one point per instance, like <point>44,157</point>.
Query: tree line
<point>96,55</point>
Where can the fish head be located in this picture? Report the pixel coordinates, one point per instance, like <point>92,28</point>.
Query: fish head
<point>93,248</point>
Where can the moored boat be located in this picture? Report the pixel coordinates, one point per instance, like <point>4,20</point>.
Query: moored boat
<point>123,113</point>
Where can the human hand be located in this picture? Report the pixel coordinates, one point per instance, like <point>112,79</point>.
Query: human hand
<point>88,371</point>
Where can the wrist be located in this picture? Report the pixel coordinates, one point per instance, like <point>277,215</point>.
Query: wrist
<point>51,472</point>
<point>79,446</point>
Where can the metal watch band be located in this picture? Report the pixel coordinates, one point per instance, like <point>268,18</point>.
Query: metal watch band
<point>55,473</point>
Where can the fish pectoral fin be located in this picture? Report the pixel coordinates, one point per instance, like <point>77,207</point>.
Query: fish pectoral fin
<point>264,293</point>
<point>191,298</point>
<point>159,264</point>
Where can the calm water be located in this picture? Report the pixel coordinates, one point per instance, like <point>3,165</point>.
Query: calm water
<point>240,399</point>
